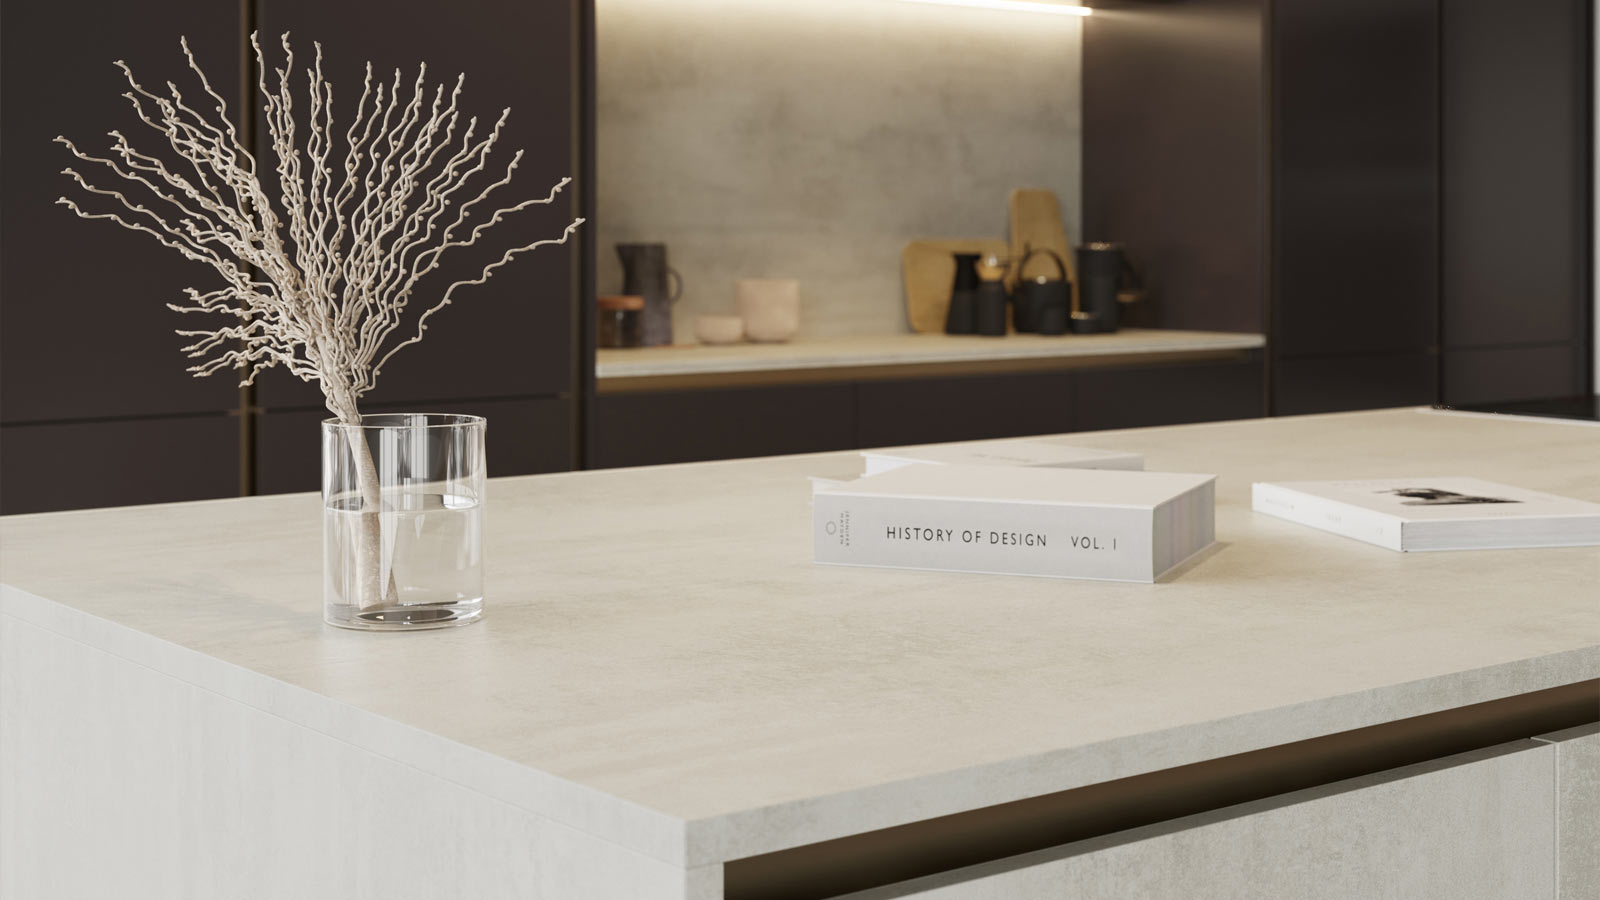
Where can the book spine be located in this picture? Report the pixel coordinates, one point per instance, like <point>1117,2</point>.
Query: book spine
<point>1367,525</point>
<point>1107,543</point>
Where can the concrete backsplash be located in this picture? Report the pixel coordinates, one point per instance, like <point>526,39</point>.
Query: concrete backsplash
<point>812,139</point>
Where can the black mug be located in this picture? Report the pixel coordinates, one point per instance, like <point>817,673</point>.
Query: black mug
<point>991,300</point>
<point>1043,305</point>
<point>1100,273</point>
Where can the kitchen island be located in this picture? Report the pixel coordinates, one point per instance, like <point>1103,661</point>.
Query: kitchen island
<point>667,699</point>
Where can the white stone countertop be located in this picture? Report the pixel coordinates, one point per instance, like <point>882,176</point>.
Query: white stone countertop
<point>906,350</point>
<point>661,665</point>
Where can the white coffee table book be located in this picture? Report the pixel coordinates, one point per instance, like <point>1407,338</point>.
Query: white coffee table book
<point>1433,513</point>
<point>1069,523</point>
<point>1011,452</point>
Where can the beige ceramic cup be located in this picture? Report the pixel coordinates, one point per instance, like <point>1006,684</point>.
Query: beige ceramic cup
<point>770,307</point>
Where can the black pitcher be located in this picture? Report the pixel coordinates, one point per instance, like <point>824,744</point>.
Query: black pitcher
<point>962,317</point>
<point>645,273</point>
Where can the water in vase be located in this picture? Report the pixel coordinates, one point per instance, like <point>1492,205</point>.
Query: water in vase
<point>429,560</point>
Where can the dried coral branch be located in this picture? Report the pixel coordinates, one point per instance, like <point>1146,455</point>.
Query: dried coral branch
<point>333,280</point>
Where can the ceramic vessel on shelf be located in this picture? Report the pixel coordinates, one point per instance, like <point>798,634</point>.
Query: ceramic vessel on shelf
<point>718,329</point>
<point>962,316</point>
<point>619,321</point>
<point>770,308</point>
<point>1101,271</point>
<point>645,273</point>
<point>1044,304</point>
<point>402,521</point>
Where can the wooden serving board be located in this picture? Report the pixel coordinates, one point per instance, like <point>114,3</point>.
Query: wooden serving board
<point>1036,222</point>
<point>929,267</point>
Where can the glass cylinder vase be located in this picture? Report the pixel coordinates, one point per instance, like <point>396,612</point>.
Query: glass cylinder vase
<point>402,521</point>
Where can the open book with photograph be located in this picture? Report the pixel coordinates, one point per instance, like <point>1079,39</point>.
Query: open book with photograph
<point>1433,513</point>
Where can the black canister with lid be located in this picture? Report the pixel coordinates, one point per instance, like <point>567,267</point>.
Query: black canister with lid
<point>619,320</point>
<point>1100,267</point>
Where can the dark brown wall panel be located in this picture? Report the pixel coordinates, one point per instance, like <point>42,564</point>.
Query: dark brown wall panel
<point>512,336</point>
<point>1167,395</point>
<point>963,408</point>
<point>1499,374</point>
<point>83,327</point>
<point>1337,383</point>
<point>1516,171</point>
<point>683,426</point>
<point>518,441</point>
<point>1355,176</point>
<point>74,466</point>
<point>1173,160</point>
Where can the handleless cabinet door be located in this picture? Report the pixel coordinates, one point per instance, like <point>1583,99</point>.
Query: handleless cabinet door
<point>1577,812</point>
<point>1477,826</point>
<point>512,336</point>
<point>85,331</point>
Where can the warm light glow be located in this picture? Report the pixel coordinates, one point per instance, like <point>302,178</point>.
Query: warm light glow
<point>1033,6</point>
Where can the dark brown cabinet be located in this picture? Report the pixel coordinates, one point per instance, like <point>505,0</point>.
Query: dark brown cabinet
<point>1416,180</point>
<point>95,406</point>
<point>117,462</point>
<point>512,336</point>
<point>685,426</point>
<point>84,333</point>
<point>688,425</point>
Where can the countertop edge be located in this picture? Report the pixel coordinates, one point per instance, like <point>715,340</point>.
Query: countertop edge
<point>745,833</point>
<point>828,356</point>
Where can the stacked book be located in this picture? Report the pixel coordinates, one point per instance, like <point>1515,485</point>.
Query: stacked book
<point>1433,513</point>
<point>1015,507</point>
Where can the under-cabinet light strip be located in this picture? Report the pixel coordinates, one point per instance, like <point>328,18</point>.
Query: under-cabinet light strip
<point>1033,6</point>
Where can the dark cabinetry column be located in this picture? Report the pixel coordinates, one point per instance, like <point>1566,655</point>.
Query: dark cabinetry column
<point>95,406</point>
<point>1516,202</point>
<point>1355,172</point>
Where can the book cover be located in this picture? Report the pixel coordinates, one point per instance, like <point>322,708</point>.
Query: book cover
<point>1432,513</point>
<point>1067,523</point>
<point>1012,452</point>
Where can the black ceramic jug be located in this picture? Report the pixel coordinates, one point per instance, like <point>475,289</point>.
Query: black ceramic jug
<point>962,317</point>
<point>645,273</point>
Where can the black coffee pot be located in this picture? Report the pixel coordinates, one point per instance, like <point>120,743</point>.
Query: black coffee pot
<point>1043,305</point>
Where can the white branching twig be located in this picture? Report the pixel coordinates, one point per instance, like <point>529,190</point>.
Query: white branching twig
<point>324,300</point>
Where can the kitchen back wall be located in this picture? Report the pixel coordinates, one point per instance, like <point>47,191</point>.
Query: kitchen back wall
<point>812,139</point>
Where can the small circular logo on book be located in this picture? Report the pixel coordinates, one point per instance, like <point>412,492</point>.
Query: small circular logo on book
<point>840,528</point>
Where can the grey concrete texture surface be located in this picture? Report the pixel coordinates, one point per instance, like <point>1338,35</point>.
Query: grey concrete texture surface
<point>813,140</point>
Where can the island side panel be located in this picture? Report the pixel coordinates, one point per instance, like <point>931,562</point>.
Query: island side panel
<point>179,792</point>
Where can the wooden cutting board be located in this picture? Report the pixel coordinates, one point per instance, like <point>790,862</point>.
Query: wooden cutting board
<point>1036,222</point>
<point>929,267</point>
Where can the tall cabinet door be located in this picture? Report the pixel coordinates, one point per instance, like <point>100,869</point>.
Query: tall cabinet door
<point>513,337</point>
<point>96,407</point>
<point>1355,198</point>
<point>1516,173</point>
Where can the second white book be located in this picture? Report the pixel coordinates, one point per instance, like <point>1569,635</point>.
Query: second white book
<point>1068,523</point>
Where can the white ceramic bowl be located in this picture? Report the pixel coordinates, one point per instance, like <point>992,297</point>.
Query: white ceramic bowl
<point>719,329</point>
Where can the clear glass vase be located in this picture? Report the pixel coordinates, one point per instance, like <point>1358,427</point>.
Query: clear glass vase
<point>402,521</point>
